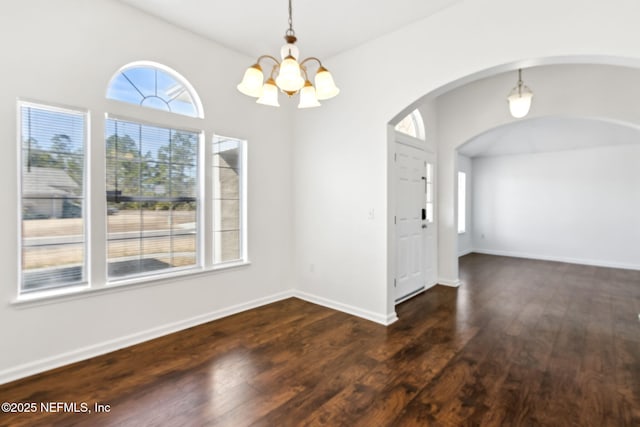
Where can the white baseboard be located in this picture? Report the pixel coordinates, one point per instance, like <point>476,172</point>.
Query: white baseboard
<point>422,290</point>
<point>431,285</point>
<point>465,252</point>
<point>349,309</point>
<point>38,366</point>
<point>595,263</point>
<point>454,283</point>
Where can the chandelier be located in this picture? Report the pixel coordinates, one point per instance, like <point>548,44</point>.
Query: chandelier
<point>289,76</point>
<point>520,99</point>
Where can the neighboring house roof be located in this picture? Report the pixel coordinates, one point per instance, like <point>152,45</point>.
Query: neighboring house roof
<point>47,181</point>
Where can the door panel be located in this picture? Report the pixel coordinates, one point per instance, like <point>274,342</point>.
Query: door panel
<point>410,200</point>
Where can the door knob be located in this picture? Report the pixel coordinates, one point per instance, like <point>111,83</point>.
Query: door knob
<point>424,225</point>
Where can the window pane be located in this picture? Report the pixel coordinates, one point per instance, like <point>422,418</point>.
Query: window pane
<point>152,192</point>
<point>412,125</point>
<point>462,202</point>
<point>226,183</point>
<point>52,199</point>
<point>227,199</point>
<point>407,126</point>
<point>152,87</point>
<point>228,248</point>
<point>429,212</point>
<point>228,215</point>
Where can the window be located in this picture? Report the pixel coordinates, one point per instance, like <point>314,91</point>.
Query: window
<point>412,125</point>
<point>52,197</point>
<point>429,191</point>
<point>160,180</point>
<point>228,180</point>
<point>153,198</point>
<point>154,86</point>
<point>462,202</point>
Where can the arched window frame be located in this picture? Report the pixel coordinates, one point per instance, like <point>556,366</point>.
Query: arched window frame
<point>164,69</point>
<point>99,206</point>
<point>414,119</point>
<point>153,120</point>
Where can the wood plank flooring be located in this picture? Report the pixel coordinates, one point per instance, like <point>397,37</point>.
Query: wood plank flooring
<point>522,342</point>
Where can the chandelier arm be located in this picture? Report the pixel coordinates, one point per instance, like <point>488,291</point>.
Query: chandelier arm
<point>304,71</point>
<point>273,71</point>
<point>311,58</point>
<point>260,58</point>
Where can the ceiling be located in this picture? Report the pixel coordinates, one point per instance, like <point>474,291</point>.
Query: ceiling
<point>549,134</point>
<point>324,28</point>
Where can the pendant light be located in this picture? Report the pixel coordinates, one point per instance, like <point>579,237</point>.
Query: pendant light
<point>289,76</point>
<point>520,99</point>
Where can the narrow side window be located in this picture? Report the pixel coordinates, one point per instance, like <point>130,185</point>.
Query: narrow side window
<point>53,227</point>
<point>228,200</point>
<point>462,202</point>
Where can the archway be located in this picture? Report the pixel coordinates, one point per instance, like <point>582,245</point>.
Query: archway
<point>476,103</point>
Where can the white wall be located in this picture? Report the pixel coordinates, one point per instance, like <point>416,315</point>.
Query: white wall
<point>480,107</point>
<point>578,206</point>
<point>465,240</point>
<point>341,150</point>
<point>65,52</point>
<point>340,172</point>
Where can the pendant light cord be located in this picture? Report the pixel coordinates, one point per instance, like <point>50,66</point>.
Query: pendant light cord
<point>290,30</point>
<point>519,80</point>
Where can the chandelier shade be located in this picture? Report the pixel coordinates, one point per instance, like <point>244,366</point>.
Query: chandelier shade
<point>308,98</point>
<point>289,75</point>
<point>520,99</point>
<point>269,94</point>
<point>251,84</point>
<point>325,86</point>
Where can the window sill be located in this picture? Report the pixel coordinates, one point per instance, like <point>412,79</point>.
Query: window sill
<point>51,296</point>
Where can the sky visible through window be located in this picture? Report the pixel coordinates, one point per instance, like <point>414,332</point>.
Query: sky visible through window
<point>152,88</point>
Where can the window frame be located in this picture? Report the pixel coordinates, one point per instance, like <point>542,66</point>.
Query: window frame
<point>242,199</point>
<point>462,202</point>
<point>95,203</point>
<point>201,202</point>
<point>86,206</point>
<point>418,124</point>
<point>430,192</point>
<point>197,103</point>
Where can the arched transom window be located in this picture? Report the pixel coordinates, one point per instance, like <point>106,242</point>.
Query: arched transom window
<point>412,125</point>
<point>154,86</point>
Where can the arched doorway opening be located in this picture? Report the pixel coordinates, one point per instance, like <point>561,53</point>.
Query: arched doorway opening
<point>578,87</point>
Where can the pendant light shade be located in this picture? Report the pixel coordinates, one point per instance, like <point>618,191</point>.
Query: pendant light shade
<point>520,99</point>
<point>290,76</point>
<point>325,87</point>
<point>308,97</point>
<point>251,84</point>
<point>269,94</point>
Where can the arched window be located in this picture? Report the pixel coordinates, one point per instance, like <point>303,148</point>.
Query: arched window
<point>155,86</point>
<point>412,125</point>
<point>153,186</point>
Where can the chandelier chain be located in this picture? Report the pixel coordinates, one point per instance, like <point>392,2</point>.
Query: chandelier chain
<point>290,30</point>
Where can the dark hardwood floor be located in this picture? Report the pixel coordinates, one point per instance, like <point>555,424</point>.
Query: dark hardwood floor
<point>522,342</point>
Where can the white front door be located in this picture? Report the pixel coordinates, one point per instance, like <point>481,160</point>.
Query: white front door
<point>410,202</point>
